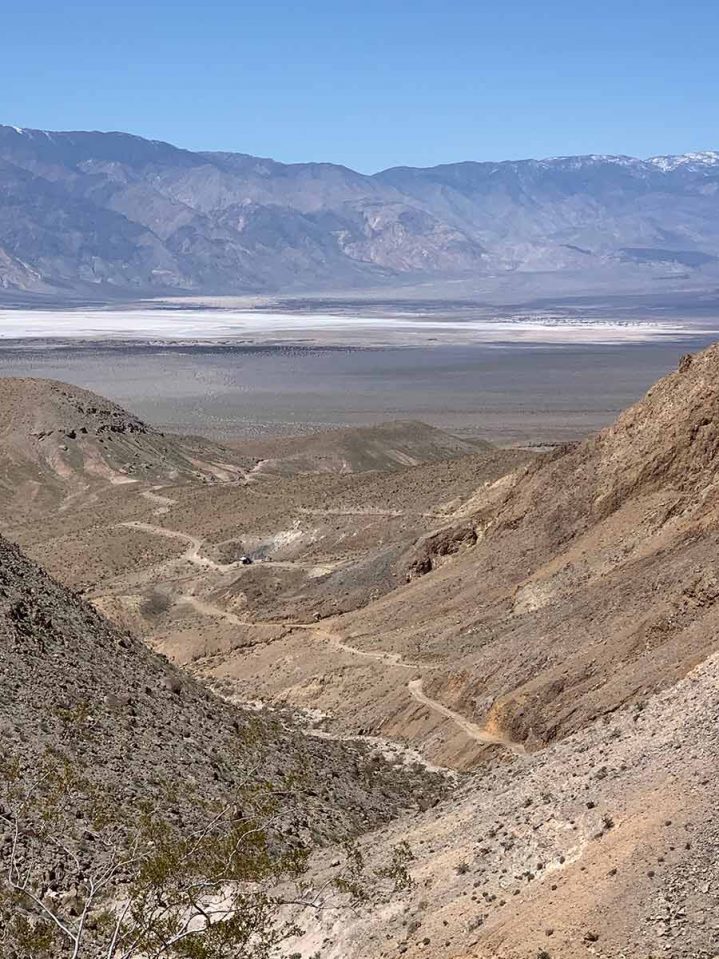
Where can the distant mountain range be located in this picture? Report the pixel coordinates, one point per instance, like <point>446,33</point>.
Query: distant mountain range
<point>83,212</point>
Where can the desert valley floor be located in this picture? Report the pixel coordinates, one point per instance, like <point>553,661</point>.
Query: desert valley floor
<point>515,376</point>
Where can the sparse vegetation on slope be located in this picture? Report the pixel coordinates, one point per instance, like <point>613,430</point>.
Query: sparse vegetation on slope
<point>125,781</point>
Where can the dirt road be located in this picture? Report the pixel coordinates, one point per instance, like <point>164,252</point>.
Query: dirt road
<point>470,729</point>
<point>192,554</point>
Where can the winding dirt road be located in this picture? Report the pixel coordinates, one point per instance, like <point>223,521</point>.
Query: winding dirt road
<point>389,659</point>
<point>192,553</point>
<point>414,686</point>
<point>469,728</point>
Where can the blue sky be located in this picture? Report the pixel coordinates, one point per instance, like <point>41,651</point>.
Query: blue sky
<point>371,84</point>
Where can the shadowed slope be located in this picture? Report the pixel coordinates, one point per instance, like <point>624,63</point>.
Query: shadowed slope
<point>71,682</point>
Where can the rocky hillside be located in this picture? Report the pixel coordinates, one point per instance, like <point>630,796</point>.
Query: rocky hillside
<point>603,845</point>
<point>592,582</point>
<point>549,623</point>
<point>58,440</point>
<point>94,726</point>
<point>103,212</point>
<point>70,681</point>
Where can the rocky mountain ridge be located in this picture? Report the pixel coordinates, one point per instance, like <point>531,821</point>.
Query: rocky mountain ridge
<point>93,212</point>
<point>591,583</point>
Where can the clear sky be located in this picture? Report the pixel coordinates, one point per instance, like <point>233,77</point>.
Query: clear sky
<point>371,83</point>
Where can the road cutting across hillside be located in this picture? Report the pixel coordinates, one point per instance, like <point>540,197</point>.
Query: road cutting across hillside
<point>475,732</point>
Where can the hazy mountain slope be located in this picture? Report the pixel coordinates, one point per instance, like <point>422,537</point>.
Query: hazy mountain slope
<point>229,222</point>
<point>62,240</point>
<point>576,207</point>
<point>82,210</point>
